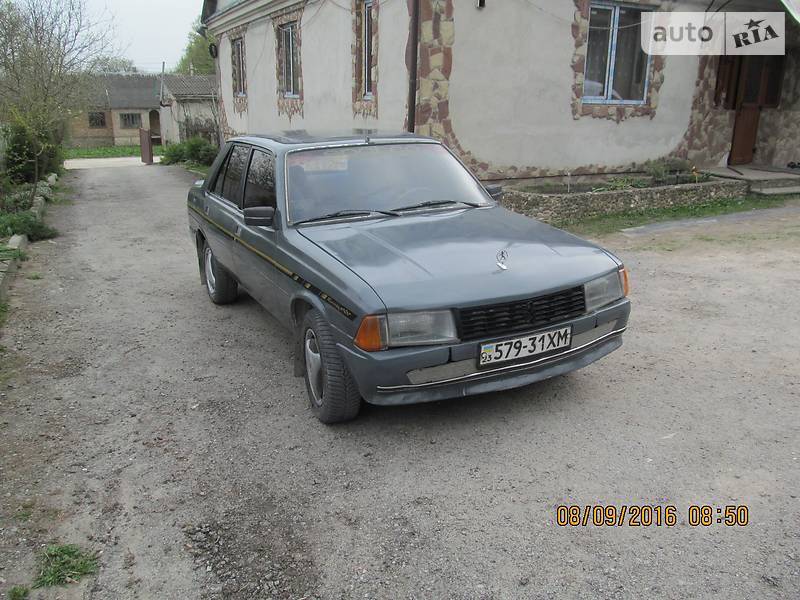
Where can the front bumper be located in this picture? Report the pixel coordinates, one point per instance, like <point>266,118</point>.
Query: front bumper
<point>425,374</point>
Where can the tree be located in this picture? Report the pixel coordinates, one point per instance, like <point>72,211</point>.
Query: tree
<point>49,50</point>
<point>196,59</point>
<point>115,64</point>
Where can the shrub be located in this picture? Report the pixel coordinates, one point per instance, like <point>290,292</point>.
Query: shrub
<point>16,201</point>
<point>174,153</point>
<point>22,147</point>
<point>201,151</point>
<point>195,149</point>
<point>659,169</point>
<point>25,223</point>
<point>208,155</point>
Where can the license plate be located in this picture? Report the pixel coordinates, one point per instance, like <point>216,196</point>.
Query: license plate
<point>518,348</point>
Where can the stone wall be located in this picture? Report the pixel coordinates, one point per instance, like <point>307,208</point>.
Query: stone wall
<point>559,208</point>
<point>779,129</point>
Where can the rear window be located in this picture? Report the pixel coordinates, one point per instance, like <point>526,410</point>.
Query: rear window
<point>230,174</point>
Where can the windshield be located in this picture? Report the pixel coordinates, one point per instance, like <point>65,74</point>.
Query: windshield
<point>376,178</point>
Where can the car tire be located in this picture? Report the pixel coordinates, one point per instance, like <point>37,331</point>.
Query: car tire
<point>222,288</point>
<point>332,391</point>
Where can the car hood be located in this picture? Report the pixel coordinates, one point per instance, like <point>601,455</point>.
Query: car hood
<point>449,259</point>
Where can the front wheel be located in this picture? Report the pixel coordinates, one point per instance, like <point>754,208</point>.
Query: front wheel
<point>331,388</point>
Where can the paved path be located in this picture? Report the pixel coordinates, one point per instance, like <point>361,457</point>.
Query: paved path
<point>103,163</point>
<point>142,421</point>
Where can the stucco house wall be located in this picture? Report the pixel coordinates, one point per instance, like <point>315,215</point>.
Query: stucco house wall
<point>176,113</point>
<point>501,86</point>
<point>327,72</point>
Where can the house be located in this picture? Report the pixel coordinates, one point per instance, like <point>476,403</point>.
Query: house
<point>121,104</point>
<point>189,108</point>
<point>518,89</point>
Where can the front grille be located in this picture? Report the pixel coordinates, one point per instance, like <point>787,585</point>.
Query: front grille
<point>499,320</point>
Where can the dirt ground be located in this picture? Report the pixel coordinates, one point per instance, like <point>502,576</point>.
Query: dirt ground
<point>141,421</point>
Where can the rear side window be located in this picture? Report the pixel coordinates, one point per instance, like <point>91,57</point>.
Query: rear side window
<point>217,189</point>
<point>233,173</point>
<point>260,187</point>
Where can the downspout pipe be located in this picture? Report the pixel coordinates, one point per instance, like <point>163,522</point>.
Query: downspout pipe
<point>413,67</point>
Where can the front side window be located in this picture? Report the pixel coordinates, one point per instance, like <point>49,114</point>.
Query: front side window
<point>260,186</point>
<point>237,67</point>
<point>375,177</point>
<point>130,120</point>
<point>97,120</point>
<point>290,59</point>
<point>616,65</point>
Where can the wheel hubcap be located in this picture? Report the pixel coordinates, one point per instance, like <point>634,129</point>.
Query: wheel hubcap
<point>314,367</point>
<point>211,280</point>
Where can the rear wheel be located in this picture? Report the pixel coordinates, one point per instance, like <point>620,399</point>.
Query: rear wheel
<point>331,388</point>
<point>222,288</point>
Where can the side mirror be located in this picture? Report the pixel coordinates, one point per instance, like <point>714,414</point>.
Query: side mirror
<point>495,191</point>
<point>259,216</point>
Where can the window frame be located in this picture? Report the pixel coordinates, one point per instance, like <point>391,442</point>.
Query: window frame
<point>287,74</point>
<point>615,8</point>
<point>367,32</point>
<point>96,113</point>
<point>239,83</point>
<point>122,119</point>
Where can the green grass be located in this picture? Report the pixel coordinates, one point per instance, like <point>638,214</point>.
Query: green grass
<point>34,276</point>
<point>7,253</point>
<point>64,564</point>
<point>196,167</point>
<point>18,592</point>
<point>606,224</point>
<point>25,223</point>
<point>3,315</point>
<point>108,152</point>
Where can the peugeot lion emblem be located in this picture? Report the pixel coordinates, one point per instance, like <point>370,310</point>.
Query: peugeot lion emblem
<point>502,257</point>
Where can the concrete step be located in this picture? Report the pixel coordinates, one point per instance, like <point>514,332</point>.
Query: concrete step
<point>777,191</point>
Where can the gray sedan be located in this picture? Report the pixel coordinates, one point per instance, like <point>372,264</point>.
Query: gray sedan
<point>400,276</point>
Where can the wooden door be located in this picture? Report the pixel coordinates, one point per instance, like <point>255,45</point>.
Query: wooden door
<point>750,99</point>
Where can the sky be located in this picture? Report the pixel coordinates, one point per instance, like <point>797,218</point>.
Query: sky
<point>148,31</point>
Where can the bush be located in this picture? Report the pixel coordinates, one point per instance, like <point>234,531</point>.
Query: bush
<point>21,151</point>
<point>15,201</point>
<point>661,168</point>
<point>196,150</point>
<point>25,223</point>
<point>174,153</point>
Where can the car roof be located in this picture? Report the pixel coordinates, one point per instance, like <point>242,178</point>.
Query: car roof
<point>291,140</point>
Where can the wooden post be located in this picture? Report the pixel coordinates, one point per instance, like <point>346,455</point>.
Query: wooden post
<point>146,146</point>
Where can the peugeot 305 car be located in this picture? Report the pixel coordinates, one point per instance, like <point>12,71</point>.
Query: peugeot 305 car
<point>399,275</point>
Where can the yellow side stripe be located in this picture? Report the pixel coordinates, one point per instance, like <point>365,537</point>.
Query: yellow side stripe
<point>305,283</point>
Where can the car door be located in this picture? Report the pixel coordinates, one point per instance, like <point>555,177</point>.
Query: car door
<point>222,205</point>
<point>255,254</point>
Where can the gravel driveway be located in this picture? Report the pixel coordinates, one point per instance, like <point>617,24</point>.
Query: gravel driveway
<point>140,420</point>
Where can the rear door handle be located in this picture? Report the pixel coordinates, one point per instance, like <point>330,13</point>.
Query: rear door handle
<point>238,230</point>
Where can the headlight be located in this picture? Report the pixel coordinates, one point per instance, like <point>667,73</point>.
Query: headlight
<point>605,290</point>
<point>378,332</point>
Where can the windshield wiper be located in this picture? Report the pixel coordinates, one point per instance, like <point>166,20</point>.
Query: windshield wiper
<point>433,203</point>
<point>348,213</point>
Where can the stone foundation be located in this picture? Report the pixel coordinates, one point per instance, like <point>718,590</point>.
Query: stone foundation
<point>559,208</point>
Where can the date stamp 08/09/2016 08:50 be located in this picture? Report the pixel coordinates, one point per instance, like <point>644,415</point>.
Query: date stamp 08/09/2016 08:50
<point>646,515</point>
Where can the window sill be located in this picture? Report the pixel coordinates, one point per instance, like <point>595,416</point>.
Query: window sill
<point>605,102</point>
<point>291,96</point>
